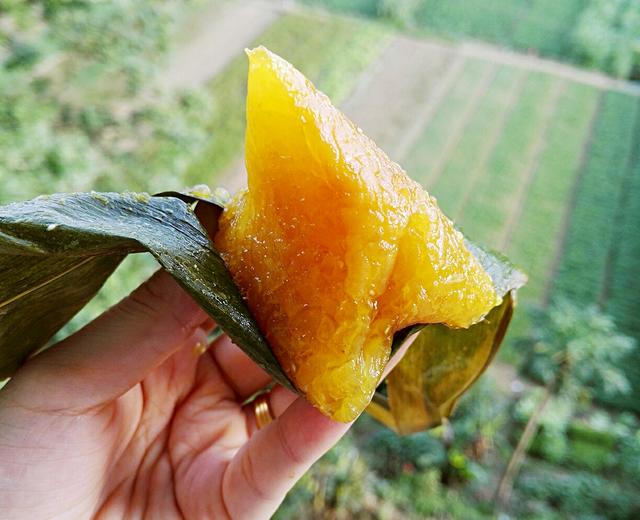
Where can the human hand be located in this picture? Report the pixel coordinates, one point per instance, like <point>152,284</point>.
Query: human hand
<point>124,419</point>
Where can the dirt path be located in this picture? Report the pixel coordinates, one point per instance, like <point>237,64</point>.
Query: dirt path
<point>424,114</point>
<point>385,102</point>
<point>216,35</point>
<point>530,62</point>
<point>210,38</point>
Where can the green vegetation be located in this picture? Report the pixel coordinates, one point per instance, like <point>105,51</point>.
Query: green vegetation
<point>624,285</point>
<point>70,118</point>
<point>428,152</point>
<point>535,240</point>
<point>68,69</point>
<point>605,35</point>
<point>489,207</point>
<point>575,352</point>
<point>593,220</point>
<point>463,163</point>
<point>549,175</point>
<point>540,24</point>
<point>583,495</point>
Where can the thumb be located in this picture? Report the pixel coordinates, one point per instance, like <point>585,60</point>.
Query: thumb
<point>118,349</point>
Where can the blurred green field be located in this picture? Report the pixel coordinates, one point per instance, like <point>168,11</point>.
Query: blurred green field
<point>553,188</point>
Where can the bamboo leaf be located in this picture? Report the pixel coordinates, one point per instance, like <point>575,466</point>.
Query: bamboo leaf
<point>39,295</point>
<point>442,363</point>
<point>57,251</point>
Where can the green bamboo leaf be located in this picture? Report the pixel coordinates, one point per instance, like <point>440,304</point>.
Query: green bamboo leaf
<point>440,366</point>
<point>442,362</point>
<point>39,294</point>
<point>57,251</point>
<point>505,276</point>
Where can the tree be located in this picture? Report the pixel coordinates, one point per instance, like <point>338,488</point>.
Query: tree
<point>574,351</point>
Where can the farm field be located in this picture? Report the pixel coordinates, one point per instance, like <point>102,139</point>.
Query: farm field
<point>544,169</point>
<point>538,24</point>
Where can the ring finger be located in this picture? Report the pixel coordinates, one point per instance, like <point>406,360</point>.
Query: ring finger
<point>278,400</point>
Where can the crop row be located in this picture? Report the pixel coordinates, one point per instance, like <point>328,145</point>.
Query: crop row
<point>535,241</point>
<point>624,289</point>
<point>593,220</point>
<point>488,211</point>
<point>429,149</point>
<point>623,292</point>
<point>348,47</point>
<point>455,183</point>
<point>624,295</point>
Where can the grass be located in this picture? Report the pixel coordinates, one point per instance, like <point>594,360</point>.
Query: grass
<point>539,228</point>
<point>428,150</point>
<point>593,220</point>
<point>487,212</point>
<point>460,168</point>
<point>332,52</point>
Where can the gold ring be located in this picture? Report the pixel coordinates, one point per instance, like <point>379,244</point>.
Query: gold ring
<point>262,411</point>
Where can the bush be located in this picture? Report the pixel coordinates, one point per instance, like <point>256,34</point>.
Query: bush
<point>390,454</point>
<point>629,458</point>
<point>577,351</point>
<point>423,494</point>
<point>607,36</point>
<point>579,494</point>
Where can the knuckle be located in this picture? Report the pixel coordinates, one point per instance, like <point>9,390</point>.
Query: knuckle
<point>287,449</point>
<point>247,468</point>
<point>171,307</point>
